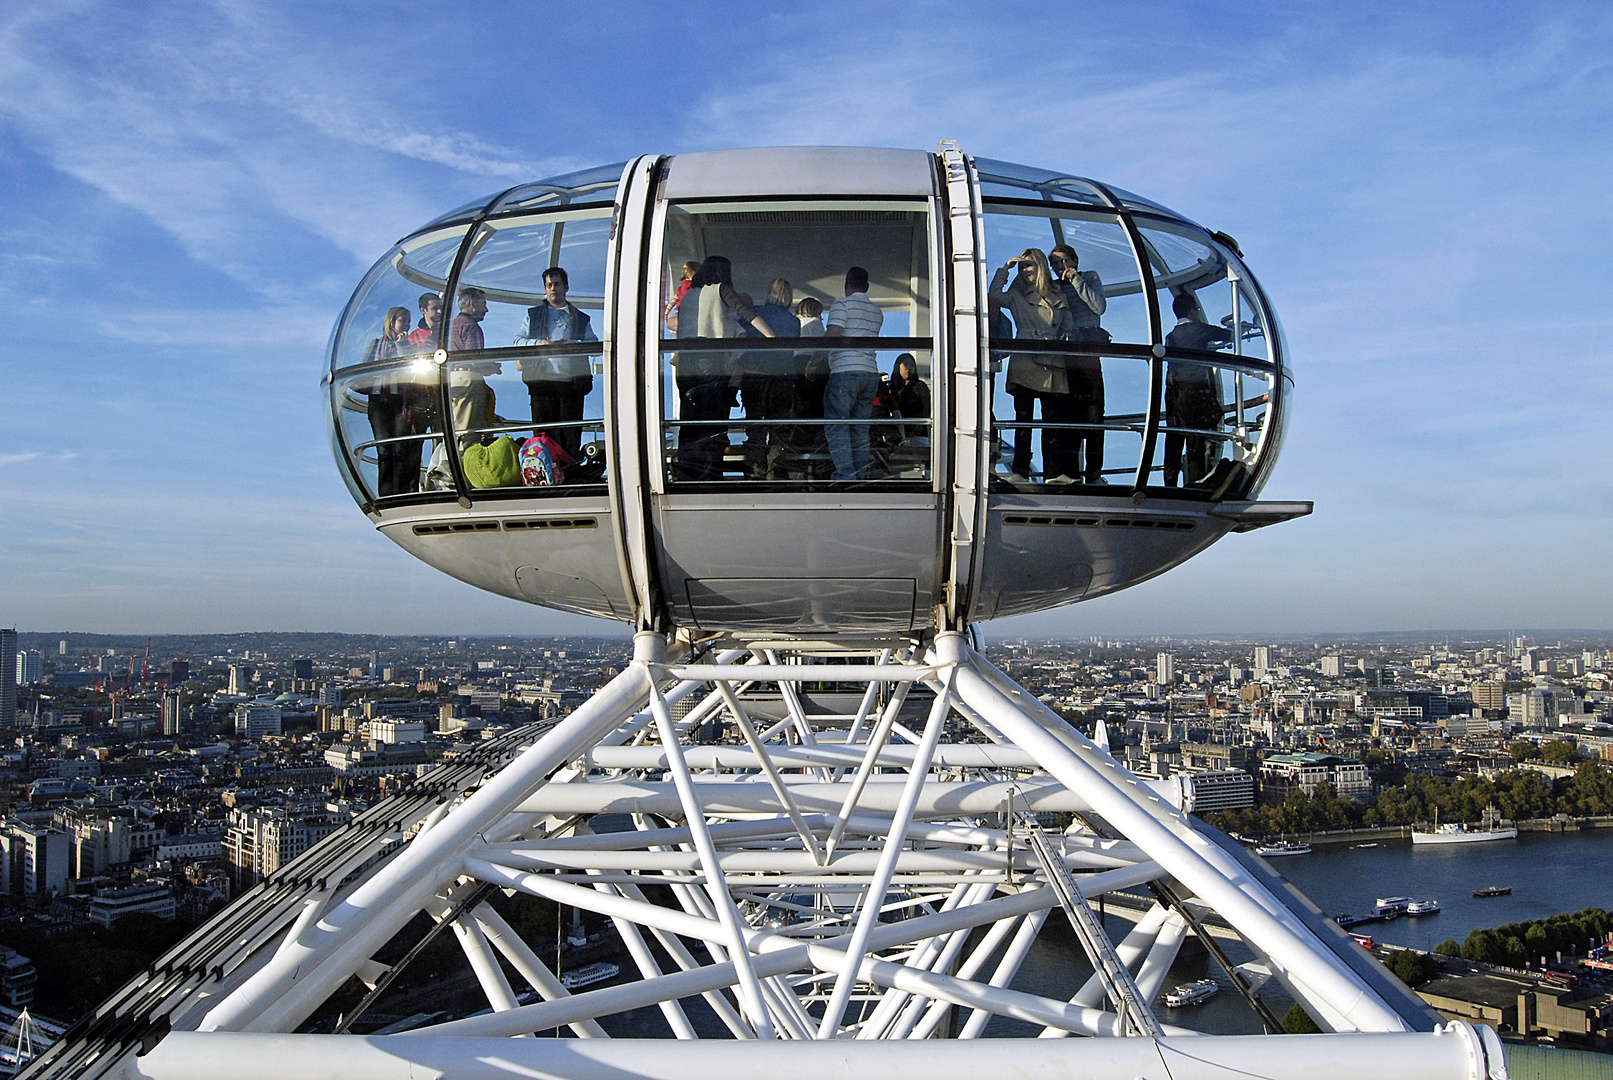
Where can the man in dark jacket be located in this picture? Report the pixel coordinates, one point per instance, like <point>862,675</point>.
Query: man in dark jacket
<point>1192,395</point>
<point>557,384</point>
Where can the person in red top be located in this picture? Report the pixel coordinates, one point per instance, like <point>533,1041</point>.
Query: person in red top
<point>430,316</point>
<point>671,312</point>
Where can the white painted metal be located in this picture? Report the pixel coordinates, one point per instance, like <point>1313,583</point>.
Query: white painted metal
<point>783,936</point>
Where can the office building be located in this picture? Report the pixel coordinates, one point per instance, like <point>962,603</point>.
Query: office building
<point>1262,661</point>
<point>1165,669</point>
<point>34,862</point>
<point>1333,666</point>
<point>254,721</point>
<point>172,722</point>
<point>1283,774</point>
<point>30,667</point>
<point>240,678</point>
<point>8,678</point>
<point>110,905</point>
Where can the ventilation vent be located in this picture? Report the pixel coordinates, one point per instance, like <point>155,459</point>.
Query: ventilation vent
<point>552,523</point>
<point>456,527</point>
<point>1092,522</point>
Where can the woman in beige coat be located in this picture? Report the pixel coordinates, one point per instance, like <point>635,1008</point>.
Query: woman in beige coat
<point>1040,313</point>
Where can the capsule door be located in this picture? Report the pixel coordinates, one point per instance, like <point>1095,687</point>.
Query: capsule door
<point>793,474</point>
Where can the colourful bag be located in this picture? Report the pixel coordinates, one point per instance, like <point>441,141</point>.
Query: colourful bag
<point>543,461</point>
<point>491,466</point>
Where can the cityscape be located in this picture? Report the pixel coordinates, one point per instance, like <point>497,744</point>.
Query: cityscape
<point>148,782</point>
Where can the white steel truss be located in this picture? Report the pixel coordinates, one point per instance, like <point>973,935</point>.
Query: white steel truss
<point>862,878</point>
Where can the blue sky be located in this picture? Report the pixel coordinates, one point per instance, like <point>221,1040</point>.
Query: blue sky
<point>189,192</point>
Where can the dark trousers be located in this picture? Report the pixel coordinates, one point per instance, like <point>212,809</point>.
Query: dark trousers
<point>1025,413</point>
<point>397,463</point>
<point>1086,407</point>
<point>701,446</point>
<point>560,401</point>
<point>767,446</point>
<point>1192,457</point>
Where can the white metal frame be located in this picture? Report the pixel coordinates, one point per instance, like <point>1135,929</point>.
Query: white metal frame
<point>942,831</point>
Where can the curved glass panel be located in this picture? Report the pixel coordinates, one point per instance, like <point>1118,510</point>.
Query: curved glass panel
<point>1100,286</point>
<point>1063,418</point>
<point>1006,180</point>
<point>589,185</point>
<point>781,413</point>
<point>463,213</point>
<point>1213,422</point>
<point>387,416</point>
<point>411,277</point>
<point>1137,202</point>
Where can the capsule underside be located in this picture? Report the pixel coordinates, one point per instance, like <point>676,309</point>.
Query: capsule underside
<point>1058,431</point>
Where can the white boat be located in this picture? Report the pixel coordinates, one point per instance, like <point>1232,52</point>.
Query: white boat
<point>1457,833</point>
<point>1192,993</point>
<point>1423,907</point>
<point>1283,847</point>
<point>1390,906</point>
<point>1461,834</point>
<point>589,974</point>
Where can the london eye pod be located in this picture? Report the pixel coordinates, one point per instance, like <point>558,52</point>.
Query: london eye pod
<point>1063,442</point>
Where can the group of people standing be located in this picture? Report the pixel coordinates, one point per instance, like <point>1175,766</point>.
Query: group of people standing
<point>776,386</point>
<point>1053,299</point>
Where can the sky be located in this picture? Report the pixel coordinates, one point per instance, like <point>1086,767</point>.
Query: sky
<point>189,192</point>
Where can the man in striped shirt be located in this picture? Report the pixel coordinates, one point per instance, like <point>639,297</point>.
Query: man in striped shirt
<point>853,377</point>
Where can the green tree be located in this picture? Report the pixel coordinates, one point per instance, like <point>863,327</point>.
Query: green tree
<point>1413,968</point>
<point>1299,1022</point>
<point>1448,947</point>
<point>1560,752</point>
<point>1523,750</point>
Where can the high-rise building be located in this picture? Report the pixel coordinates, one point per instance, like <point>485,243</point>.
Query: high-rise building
<point>8,677</point>
<point>61,647</point>
<point>178,672</point>
<point>171,721</point>
<point>1262,660</point>
<point>1165,669</point>
<point>240,678</point>
<point>1333,666</point>
<point>302,669</point>
<point>30,667</point>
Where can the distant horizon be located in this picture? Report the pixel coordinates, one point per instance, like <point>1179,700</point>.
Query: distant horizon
<point>195,189</point>
<point>983,628</point>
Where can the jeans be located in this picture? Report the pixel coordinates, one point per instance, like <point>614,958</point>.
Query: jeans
<point>849,395</point>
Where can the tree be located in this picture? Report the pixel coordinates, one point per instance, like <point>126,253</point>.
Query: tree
<point>1523,751</point>
<point>1448,947</point>
<point>1299,1022</point>
<point>1560,752</point>
<point>1413,968</point>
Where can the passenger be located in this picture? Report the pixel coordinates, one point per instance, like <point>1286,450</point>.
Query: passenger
<point>767,388</point>
<point>853,377</point>
<point>425,330</point>
<point>1083,291</point>
<point>1040,313</point>
<point>468,394</point>
<point>557,384</point>
<point>670,315</point>
<point>397,463</point>
<point>808,438</point>
<point>421,339</point>
<point>912,399</point>
<point>1192,395</point>
<point>708,310</point>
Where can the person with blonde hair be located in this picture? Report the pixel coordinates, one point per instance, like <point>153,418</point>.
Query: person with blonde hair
<point>397,469</point>
<point>1040,313</point>
<point>767,387</point>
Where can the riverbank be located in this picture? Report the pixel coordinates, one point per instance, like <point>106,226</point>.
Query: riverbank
<point>1558,824</point>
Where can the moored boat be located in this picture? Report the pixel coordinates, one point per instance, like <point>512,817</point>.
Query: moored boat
<point>589,974</point>
<point>1283,847</point>
<point>1458,833</point>
<point>1423,907</point>
<point>1192,993</point>
<point>1494,890</point>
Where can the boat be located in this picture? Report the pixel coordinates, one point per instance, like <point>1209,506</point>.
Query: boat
<point>1372,844</point>
<point>1457,833</point>
<point>589,974</point>
<point>1494,890</point>
<point>1390,906</point>
<point>1192,993</point>
<point>1283,847</point>
<point>1423,907</point>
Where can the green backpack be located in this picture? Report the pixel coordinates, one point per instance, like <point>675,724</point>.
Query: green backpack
<point>497,465</point>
